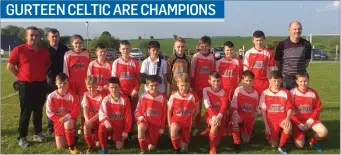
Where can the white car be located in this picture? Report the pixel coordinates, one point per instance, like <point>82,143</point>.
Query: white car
<point>2,52</point>
<point>137,53</point>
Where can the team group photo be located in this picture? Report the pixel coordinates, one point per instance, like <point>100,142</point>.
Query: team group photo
<point>259,94</point>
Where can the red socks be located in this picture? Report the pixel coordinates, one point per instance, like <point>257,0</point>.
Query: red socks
<point>143,144</point>
<point>89,138</point>
<point>236,137</point>
<point>103,136</point>
<point>176,142</point>
<point>70,136</point>
<point>213,140</point>
<point>284,139</point>
<point>313,140</point>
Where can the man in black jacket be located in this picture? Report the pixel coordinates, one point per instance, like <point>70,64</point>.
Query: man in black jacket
<point>57,51</point>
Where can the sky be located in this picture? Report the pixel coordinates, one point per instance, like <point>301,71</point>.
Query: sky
<point>242,18</point>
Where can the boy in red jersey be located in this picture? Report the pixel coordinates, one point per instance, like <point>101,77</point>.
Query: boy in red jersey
<point>76,62</point>
<point>183,106</point>
<point>260,60</point>
<point>151,114</point>
<point>101,68</point>
<point>127,70</point>
<point>91,103</point>
<point>63,108</point>
<point>244,107</point>
<point>115,116</point>
<point>216,105</point>
<point>202,64</point>
<point>307,107</point>
<point>230,68</point>
<point>276,105</point>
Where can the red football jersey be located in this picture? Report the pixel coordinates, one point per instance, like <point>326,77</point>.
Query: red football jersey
<point>76,64</point>
<point>117,112</point>
<point>260,62</point>
<point>276,105</point>
<point>215,102</point>
<point>231,73</point>
<point>153,109</point>
<point>58,106</point>
<point>183,106</point>
<point>128,72</point>
<point>201,67</point>
<point>92,103</point>
<point>245,103</point>
<point>101,71</point>
<point>307,105</point>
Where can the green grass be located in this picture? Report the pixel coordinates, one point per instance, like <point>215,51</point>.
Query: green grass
<point>325,79</point>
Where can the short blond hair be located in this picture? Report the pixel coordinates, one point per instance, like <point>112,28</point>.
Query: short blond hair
<point>182,78</point>
<point>90,80</point>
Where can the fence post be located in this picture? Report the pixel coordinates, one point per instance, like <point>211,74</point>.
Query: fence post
<point>336,51</point>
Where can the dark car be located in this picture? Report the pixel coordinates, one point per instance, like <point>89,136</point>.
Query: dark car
<point>317,54</point>
<point>219,52</point>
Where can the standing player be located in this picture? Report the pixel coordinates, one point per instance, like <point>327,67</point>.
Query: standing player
<point>76,63</point>
<point>203,63</point>
<point>114,116</point>
<point>63,109</point>
<point>151,114</point>
<point>244,106</point>
<point>127,70</point>
<point>91,103</point>
<point>100,68</point>
<point>307,106</point>
<point>276,106</point>
<point>216,105</point>
<point>183,105</point>
<point>230,68</point>
<point>260,61</point>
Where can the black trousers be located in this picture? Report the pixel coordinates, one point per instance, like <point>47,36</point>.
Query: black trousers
<point>32,96</point>
<point>289,82</point>
<point>51,87</point>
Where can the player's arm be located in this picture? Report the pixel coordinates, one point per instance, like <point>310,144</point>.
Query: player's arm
<point>208,106</point>
<point>103,112</point>
<point>170,110</point>
<point>13,62</point>
<point>234,105</point>
<point>279,54</point>
<point>75,108</point>
<point>271,64</point>
<point>263,109</point>
<point>128,118</point>
<point>139,110</point>
<point>169,72</point>
<point>66,65</point>
<point>50,112</point>
<point>308,55</point>
<point>223,107</point>
<point>317,109</point>
<point>246,61</point>
<point>164,115</point>
<point>192,71</point>
<point>137,75</point>
<point>114,69</point>
<point>85,106</point>
<point>89,72</point>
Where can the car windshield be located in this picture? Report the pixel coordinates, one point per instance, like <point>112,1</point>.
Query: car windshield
<point>135,51</point>
<point>316,51</point>
<point>218,48</point>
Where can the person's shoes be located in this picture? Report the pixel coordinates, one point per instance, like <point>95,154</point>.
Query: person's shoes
<point>23,143</point>
<point>282,150</point>
<point>104,151</point>
<point>90,150</point>
<point>183,151</point>
<point>142,152</point>
<point>196,132</point>
<point>39,138</point>
<point>316,147</point>
<point>237,148</point>
<point>73,150</point>
<point>177,151</point>
<point>213,151</point>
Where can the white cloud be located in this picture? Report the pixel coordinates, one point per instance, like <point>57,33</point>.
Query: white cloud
<point>330,7</point>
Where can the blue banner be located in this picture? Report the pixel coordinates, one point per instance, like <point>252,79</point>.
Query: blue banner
<point>75,9</point>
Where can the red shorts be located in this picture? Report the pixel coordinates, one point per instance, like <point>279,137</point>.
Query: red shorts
<point>116,132</point>
<point>58,129</point>
<point>152,132</point>
<point>223,125</point>
<point>297,133</point>
<point>95,127</point>
<point>199,93</point>
<point>77,87</point>
<point>185,130</point>
<point>275,129</point>
<point>246,125</point>
<point>260,85</point>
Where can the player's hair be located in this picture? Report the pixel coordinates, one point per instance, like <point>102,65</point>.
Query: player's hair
<point>258,34</point>
<point>90,80</point>
<point>76,36</point>
<point>32,28</point>
<point>205,40</point>
<point>179,39</point>
<point>100,46</point>
<point>229,44</point>
<point>184,77</point>
<point>125,42</point>
<point>53,31</point>
<point>153,44</point>
<point>215,75</point>
<point>275,75</point>
<point>295,22</point>
<point>302,74</point>
<point>61,77</point>
<point>114,80</point>
<point>152,78</point>
<point>249,74</point>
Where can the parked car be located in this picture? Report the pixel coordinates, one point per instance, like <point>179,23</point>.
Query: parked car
<point>317,54</point>
<point>218,52</point>
<point>137,53</point>
<point>2,52</point>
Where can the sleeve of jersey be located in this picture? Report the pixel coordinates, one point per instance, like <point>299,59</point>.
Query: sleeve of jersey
<point>246,61</point>
<point>164,113</point>
<point>271,61</point>
<point>66,65</point>
<point>75,108</point>
<point>138,111</point>
<point>90,68</point>
<point>50,112</point>
<point>317,108</point>
<point>194,60</point>
<point>84,101</point>
<point>288,104</point>
<point>234,102</point>
<point>13,57</point>
<point>262,104</point>
<point>137,74</point>
<point>224,105</point>
<point>128,116</point>
<point>103,112</point>
<point>208,106</point>
<point>114,71</point>
<point>169,70</point>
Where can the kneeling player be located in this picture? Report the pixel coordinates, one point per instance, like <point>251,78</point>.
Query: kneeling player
<point>91,102</point>
<point>276,106</point>
<point>183,105</point>
<point>151,114</point>
<point>215,101</point>
<point>244,106</point>
<point>115,116</point>
<point>62,108</point>
<point>307,105</point>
